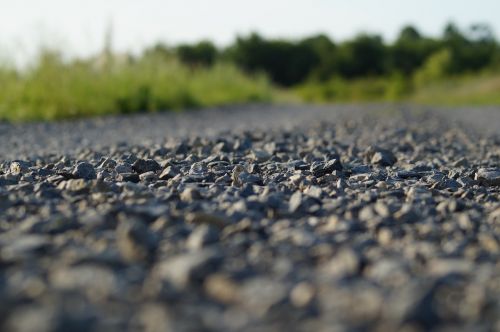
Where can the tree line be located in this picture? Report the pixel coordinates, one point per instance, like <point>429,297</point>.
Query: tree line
<point>319,58</point>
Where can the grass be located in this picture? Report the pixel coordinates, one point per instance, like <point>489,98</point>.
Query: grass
<point>53,89</point>
<point>480,90</point>
<point>374,89</point>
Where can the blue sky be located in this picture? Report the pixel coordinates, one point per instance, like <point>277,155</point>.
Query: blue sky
<point>79,26</point>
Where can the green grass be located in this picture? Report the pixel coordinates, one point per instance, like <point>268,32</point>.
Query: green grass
<point>53,89</point>
<point>480,90</point>
<point>472,89</point>
<point>359,90</point>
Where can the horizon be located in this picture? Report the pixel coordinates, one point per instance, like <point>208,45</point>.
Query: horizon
<point>28,25</point>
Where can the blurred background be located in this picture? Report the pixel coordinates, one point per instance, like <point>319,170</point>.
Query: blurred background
<point>63,59</point>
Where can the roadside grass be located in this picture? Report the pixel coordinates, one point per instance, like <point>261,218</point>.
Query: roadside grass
<point>53,89</point>
<point>479,90</point>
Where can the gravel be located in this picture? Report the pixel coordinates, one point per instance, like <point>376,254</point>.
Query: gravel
<point>345,218</point>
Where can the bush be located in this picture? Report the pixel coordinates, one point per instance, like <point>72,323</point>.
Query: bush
<point>437,67</point>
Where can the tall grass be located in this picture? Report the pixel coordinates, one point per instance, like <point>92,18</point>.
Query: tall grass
<point>55,89</point>
<point>473,89</point>
<point>430,85</point>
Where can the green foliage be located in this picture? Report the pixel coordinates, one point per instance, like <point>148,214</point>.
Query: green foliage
<point>286,63</point>
<point>203,53</point>
<point>437,67</point>
<point>363,89</point>
<point>53,89</point>
<point>475,89</point>
<point>364,56</point>
<point>410,51</point>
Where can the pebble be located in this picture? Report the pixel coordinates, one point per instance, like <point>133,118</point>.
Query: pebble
<point>315,228</point>
<point>85,171</point>
<point>488,176</point>
<point>145,165</point>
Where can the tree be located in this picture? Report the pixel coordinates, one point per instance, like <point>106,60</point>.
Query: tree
<point>326,53</point>
<point>409,33</point>
<point>472,51</point>
<point>363,56</point>
<point>287,63</point>
<point>410,51</point>
<point>203,53</point>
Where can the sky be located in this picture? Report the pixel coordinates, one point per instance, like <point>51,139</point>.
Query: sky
<point>78,27</point>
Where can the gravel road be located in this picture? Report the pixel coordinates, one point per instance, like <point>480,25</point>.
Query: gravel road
<point>253,218</point>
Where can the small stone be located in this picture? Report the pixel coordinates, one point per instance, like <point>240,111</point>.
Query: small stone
<point>147,177</point>
<point>19,167</point>
<point>123,168</point>
<point>488,176</point>
<point>190,194</point>
<point>222,289</point>
<point>320,169</point>
<point>145,165</point>
<point>135,241</point>
<point>25,246</point>
<point>85,171</point>
<point>199,218</point>
<point>382,157</point>
<point>202,236</point>
<point>442,267</point>
<point>295,201</point>
<point>129,177</point>
<point>74,185</point>
<point>168,173</point>
<point>302,294</point>
<point>260,155</point>
<point>345,263</point>
<point>246,178</point>
<point>192,267</point>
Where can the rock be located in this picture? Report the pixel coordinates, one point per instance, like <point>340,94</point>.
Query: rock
<point>443,267</point>
<point>260,155</point>
<point>145,165</point>
<point>97,282</point>
<point>198,218</point>
<point>84,171</point>
<point>260,294</point>
<point>147,177</point>
<point>190,195</point>
<point>302,294</point>
<point>320,169</point>
<point>201,236</point>
<point>381,157</point>
<point>488,176</point>
<point>193,267</point>
<point>295,201</point>
<point>222,289</point>
<point>19,167</point>
<point>129,177</point>
<point>25,246</point>
<point>75,186</point>
<point>168,173</point>
<point>123,169</point>
<point>155,317</point>
<point>346,263</point>
<point>136,242</point>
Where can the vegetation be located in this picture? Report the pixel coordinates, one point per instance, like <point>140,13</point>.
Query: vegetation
<point>462,66</point>
<point>53,89</point>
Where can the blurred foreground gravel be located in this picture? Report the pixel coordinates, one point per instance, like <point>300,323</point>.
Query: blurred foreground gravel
<point>257,218</point>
